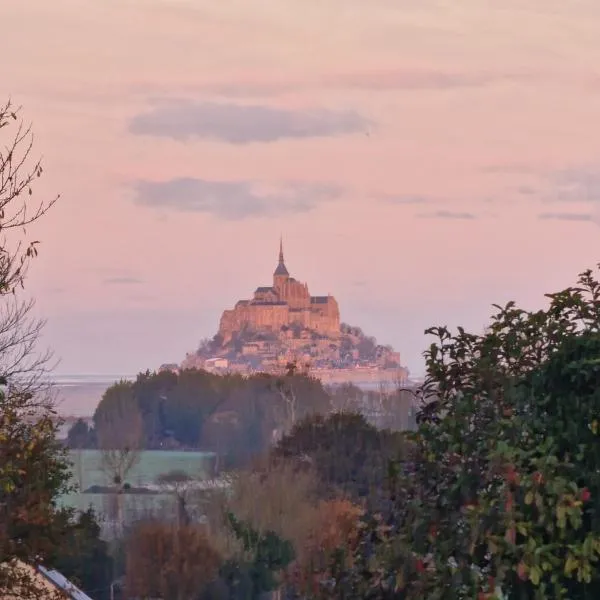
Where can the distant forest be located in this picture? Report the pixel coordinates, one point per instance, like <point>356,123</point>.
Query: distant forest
<point>236,417</point>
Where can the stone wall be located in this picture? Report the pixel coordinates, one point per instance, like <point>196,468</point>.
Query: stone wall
<point>267,317</point>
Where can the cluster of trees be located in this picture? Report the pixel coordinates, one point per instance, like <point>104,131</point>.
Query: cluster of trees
<point>234,416</point>
<point>499,495</point>
<point>278,527</point>
<point>367,346</point>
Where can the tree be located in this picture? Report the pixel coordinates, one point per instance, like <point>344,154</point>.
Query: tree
<point>349,455</point>
<point>119,430</point>
<point>176,482</point>
<point>275,496</point>
<point>80,435</point>
<point>335,527</point>
<point>346,397</point>
<point>33,472</point>
<point>84,557</point>
<point>19,331</point>
<point>190,402</point>
<point>259,567</point>
<point>300,395</point>
<point>33,467</point>
<point>169,561</point>
<point>118,426</point>
<point>503,493</point>
<point>398,408</point>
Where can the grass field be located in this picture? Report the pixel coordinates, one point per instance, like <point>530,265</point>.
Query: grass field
<point>87,471</point>
<point>87,466</point>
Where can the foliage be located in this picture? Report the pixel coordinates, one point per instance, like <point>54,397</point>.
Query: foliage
<point>167,561</point>
<point>17,208</point>
<point>234,416</point>
<point>274,496</point>
<point>347,397</point>
<point>33,467</point>
<point>176,482</point>
<point>504,494</point>
<point>335,527</point>
<point>80,435</point>
<point>119,431</point>
<point>264,557</point>
<point>353,338</point>
<point>350,456</point>
<point>84,557</point>
<point>33,472</point>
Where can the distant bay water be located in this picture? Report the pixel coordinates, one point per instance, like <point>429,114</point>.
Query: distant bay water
<point>83,378</point>
<point>78,394</point>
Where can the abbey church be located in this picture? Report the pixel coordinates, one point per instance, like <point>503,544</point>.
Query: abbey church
<point>285,303</point>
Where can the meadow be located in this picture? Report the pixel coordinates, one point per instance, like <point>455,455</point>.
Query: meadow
<point>87,471</point>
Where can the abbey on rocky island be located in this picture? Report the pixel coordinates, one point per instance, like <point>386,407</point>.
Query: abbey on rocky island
<point>286,303</point>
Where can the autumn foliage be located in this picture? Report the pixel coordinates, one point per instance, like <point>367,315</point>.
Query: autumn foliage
<point>501,496</point>
<point>334,530</point>
<point>170,561</point>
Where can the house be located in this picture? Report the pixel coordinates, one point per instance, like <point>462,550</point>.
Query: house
<point>49,585</point>
<point>216,363</point>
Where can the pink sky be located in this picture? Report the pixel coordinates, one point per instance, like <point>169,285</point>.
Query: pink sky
<point>422,159</point>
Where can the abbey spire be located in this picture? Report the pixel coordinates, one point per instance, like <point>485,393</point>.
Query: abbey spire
<point>281,270</point>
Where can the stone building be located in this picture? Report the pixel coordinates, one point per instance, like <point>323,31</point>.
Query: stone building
<point>285,303</point>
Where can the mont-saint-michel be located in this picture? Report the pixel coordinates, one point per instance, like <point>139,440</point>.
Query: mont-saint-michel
<point>284,324</point>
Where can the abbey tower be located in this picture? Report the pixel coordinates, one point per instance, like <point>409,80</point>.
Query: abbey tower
<point>285,303</point>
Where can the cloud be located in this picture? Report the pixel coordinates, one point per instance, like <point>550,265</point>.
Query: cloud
<point>243,124</point>
<point>448,214</point>
<point>406,79</point>
<point>525,190</point>
<point>561,216</point>
<point>404,199</point>
<point>575,185</point>
<point>250,89</point>
<point>509,168</point>
<point>394,79</point>
<point>122,281</point>
<point>232,200</point>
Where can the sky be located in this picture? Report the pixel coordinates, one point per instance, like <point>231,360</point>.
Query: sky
<point>422,159</point>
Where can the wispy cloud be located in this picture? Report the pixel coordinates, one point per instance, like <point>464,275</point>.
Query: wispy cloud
<point>575,185</point>
<point>448,214</point>
<point>404,199</point>
<point>122,281</point>
<point>562,216</point>
<point>233,200</point>
<point>509,168</point>
<point>421,79</point>
<point>376,79</point>
<point>526,190</point>
<point>243,124</point>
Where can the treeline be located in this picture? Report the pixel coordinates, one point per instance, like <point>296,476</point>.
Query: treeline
<point>236,417</point>
<point>232,415</point>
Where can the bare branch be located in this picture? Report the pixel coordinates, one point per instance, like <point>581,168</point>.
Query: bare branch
<point>18,172</point>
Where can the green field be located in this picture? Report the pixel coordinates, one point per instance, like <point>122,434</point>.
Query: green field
<point>86,472</point>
